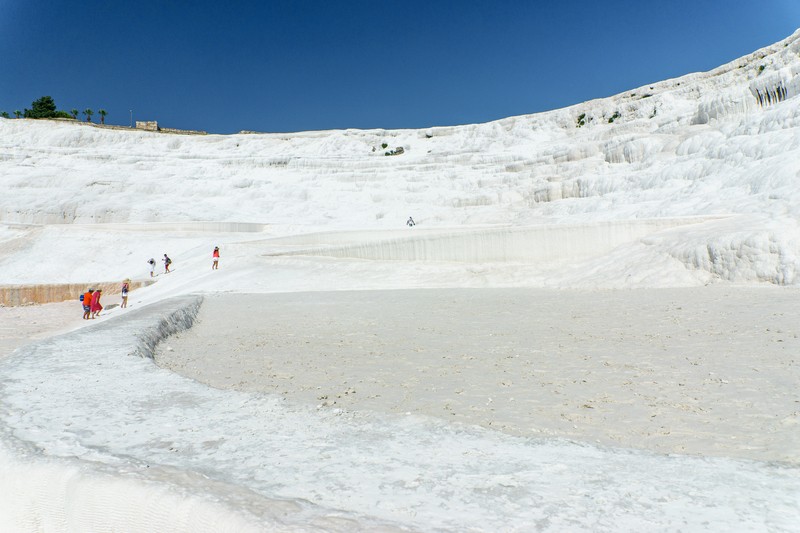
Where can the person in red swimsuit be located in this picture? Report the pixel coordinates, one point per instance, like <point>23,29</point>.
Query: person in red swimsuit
<point>96,307</point>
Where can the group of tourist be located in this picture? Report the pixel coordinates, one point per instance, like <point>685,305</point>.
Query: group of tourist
<point>168,262</point>
<point>91,298</point>
<point>91,301</point>
<point>152,262</point>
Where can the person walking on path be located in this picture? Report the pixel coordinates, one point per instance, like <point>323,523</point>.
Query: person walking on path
<point>410,222</point>
<point>87,303</point>
<point>125,288</point>
<point>152,263</point>
<point>215,257</point>
<point>96,306</point>
<point>167,263</point>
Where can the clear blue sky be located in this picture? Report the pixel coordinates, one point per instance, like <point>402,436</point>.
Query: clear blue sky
<point>294,65</point>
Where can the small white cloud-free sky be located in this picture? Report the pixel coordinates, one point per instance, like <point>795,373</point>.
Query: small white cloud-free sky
<point>683,182</point>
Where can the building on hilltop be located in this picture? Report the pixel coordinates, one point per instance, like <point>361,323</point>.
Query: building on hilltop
<point>152,125</point>
<point>149,125</point>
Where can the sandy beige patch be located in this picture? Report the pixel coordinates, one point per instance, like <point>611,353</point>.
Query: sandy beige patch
<point>25,324</point>
<point>711,371</point>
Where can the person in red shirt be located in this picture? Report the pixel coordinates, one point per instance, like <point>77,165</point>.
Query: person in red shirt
<point>96,307</point>
<point>215,257</point>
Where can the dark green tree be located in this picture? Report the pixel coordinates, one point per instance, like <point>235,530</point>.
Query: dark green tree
<point>44,107</point>
<point>102,114</point>
<point>17,114</point>
<point>74,112</point>
<point>4,114</point>
<point>88,114</point>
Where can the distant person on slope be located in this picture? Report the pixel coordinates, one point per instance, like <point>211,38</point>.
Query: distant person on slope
<point>152,263</point>
<point>125,288</point>
<point>87,303</point>
<point>96,306</point>
<point>215,258</point>
<point>410,222</point>
<point>167,263</point>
